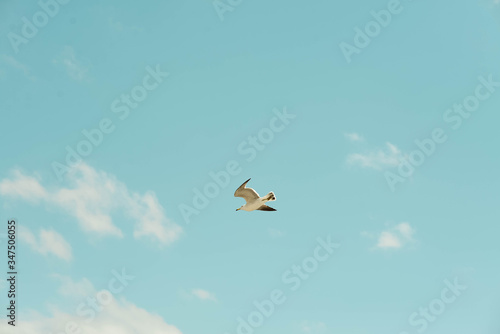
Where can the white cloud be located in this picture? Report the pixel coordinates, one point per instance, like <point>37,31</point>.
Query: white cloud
<point>405,230</point>
<point>73,66</point>
<point>151,219</point>
<point>16,64</point>
<point>203,294</point>
<point>92,197</point>
<point>395,237</point>
<point>119,27</point>
<point>388,240</point>
<point>314,327</point>
<point>22,186</point>
<point>275,233</point>
<point>119,316</point>
<point>70,288</point>
<point>378,159</point>
<point>353,136</point>
<point>48,242</point>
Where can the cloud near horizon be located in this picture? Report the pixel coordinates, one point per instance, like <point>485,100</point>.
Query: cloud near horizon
<point>116,316</point>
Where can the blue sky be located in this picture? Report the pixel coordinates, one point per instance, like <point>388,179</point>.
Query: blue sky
<point>389,153</point>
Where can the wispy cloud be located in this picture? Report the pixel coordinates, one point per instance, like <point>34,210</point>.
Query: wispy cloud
<point>48,242</point>
<point>23,186</point>
<point>16,64</point>
<point>74,67</point>
<point>405,230</point>
<point>118,26</point>
<point>394,237</point>
<point>354,137</point>
<point>92,197</point>
<point>388,240</point>
<point>71,288</point>
<point>308,327</point>
<point>116,21</point>
<point>203,294</point>
<point>275,233</point>
<point>378,159</point>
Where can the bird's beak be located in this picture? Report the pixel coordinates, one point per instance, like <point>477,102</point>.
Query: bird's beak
<point>237,209</point>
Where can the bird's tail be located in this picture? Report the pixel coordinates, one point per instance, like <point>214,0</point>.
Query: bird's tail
<point>270,196</point>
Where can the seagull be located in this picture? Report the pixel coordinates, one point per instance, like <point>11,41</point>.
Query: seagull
<point>254,201</point>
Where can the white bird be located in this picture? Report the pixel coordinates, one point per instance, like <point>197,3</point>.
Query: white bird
<point>254,201</point>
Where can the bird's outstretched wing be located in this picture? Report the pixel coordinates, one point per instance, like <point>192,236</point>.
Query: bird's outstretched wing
<point>266,208</point>
<point>247,193</point>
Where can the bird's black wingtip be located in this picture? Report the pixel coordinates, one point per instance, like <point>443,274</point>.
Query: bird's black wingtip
<point>247,181</point>
<point>266,208</point>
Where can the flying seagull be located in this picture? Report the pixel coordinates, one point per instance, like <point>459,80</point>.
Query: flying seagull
<point>254,201</point>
